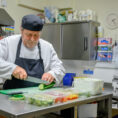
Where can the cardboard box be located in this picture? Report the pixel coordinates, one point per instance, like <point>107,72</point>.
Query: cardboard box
<point>87,111</point>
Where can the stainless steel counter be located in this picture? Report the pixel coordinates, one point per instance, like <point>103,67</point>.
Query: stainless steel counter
<point>20,109</point>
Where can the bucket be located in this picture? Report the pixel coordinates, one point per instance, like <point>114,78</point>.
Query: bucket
<point>68,79</point>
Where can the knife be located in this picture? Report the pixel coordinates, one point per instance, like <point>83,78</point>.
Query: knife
<point>36,80</point>
<point>15,93</point>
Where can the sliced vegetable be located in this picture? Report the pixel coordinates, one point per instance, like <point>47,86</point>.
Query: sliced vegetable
<point>37,102</point>
<point>50,102</point>
<point>17,97</point>
<point>44,86</point>
<point>71,97</point>
<point>64,99</point>
<point>31,100</point>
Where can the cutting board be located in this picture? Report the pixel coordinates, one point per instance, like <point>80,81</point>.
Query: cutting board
<point>24,90</point>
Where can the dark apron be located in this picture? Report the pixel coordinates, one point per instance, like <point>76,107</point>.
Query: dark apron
<point>34,68</point>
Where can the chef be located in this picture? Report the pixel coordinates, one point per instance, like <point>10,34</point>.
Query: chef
<point>28,55</point>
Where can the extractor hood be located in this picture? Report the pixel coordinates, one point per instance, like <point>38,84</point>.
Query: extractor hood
<point>5,18</point>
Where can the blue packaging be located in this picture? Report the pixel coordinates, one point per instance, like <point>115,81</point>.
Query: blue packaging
<point>104,48</point>
<point>104,56</point>
<point>68,79</point>
<point>90,72</point>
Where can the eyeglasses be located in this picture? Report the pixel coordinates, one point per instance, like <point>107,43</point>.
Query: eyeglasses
<point>30,35</point>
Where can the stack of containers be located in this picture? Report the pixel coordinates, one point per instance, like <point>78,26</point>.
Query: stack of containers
<point>104,47</point>
<point>9,30</point>
<point>52,96</point>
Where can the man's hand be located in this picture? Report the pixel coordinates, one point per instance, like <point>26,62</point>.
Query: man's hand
<point>48,77</point>
<point>19,73</point>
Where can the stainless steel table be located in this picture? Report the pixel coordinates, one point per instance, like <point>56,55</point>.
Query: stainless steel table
<point>20,109</point>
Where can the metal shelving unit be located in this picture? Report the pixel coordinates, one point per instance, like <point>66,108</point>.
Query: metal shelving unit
<point>5,20</point>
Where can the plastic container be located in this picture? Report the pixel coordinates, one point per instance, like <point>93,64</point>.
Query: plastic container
<point>104,56</point>
<point>58,96</point>
<point>63,95</point>
<point>105,48</point>
<point>39,99</point>
<point>104,41</point>
<point>92,86</point>
<point>68,79</point>
<point>52,96</point>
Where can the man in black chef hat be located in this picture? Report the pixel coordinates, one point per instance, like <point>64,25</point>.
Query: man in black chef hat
<point>30,56</point>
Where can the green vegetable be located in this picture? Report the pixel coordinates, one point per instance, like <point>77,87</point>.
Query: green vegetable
<point>17,97</point>
<point>50,102</point>
<point>37,102</point>
<point>44,86</point>
<point>31,100</point>
<point>44,103</point>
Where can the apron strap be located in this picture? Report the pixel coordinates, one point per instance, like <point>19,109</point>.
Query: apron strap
<point>19,47</point>
<point>39,47</point>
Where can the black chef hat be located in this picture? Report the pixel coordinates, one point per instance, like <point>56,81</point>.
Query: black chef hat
<point>32,22</point>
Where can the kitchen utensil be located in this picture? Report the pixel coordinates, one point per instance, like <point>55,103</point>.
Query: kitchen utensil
<point>36,80</point>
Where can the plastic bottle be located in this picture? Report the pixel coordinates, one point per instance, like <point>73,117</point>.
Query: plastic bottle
<point>100,32</point>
